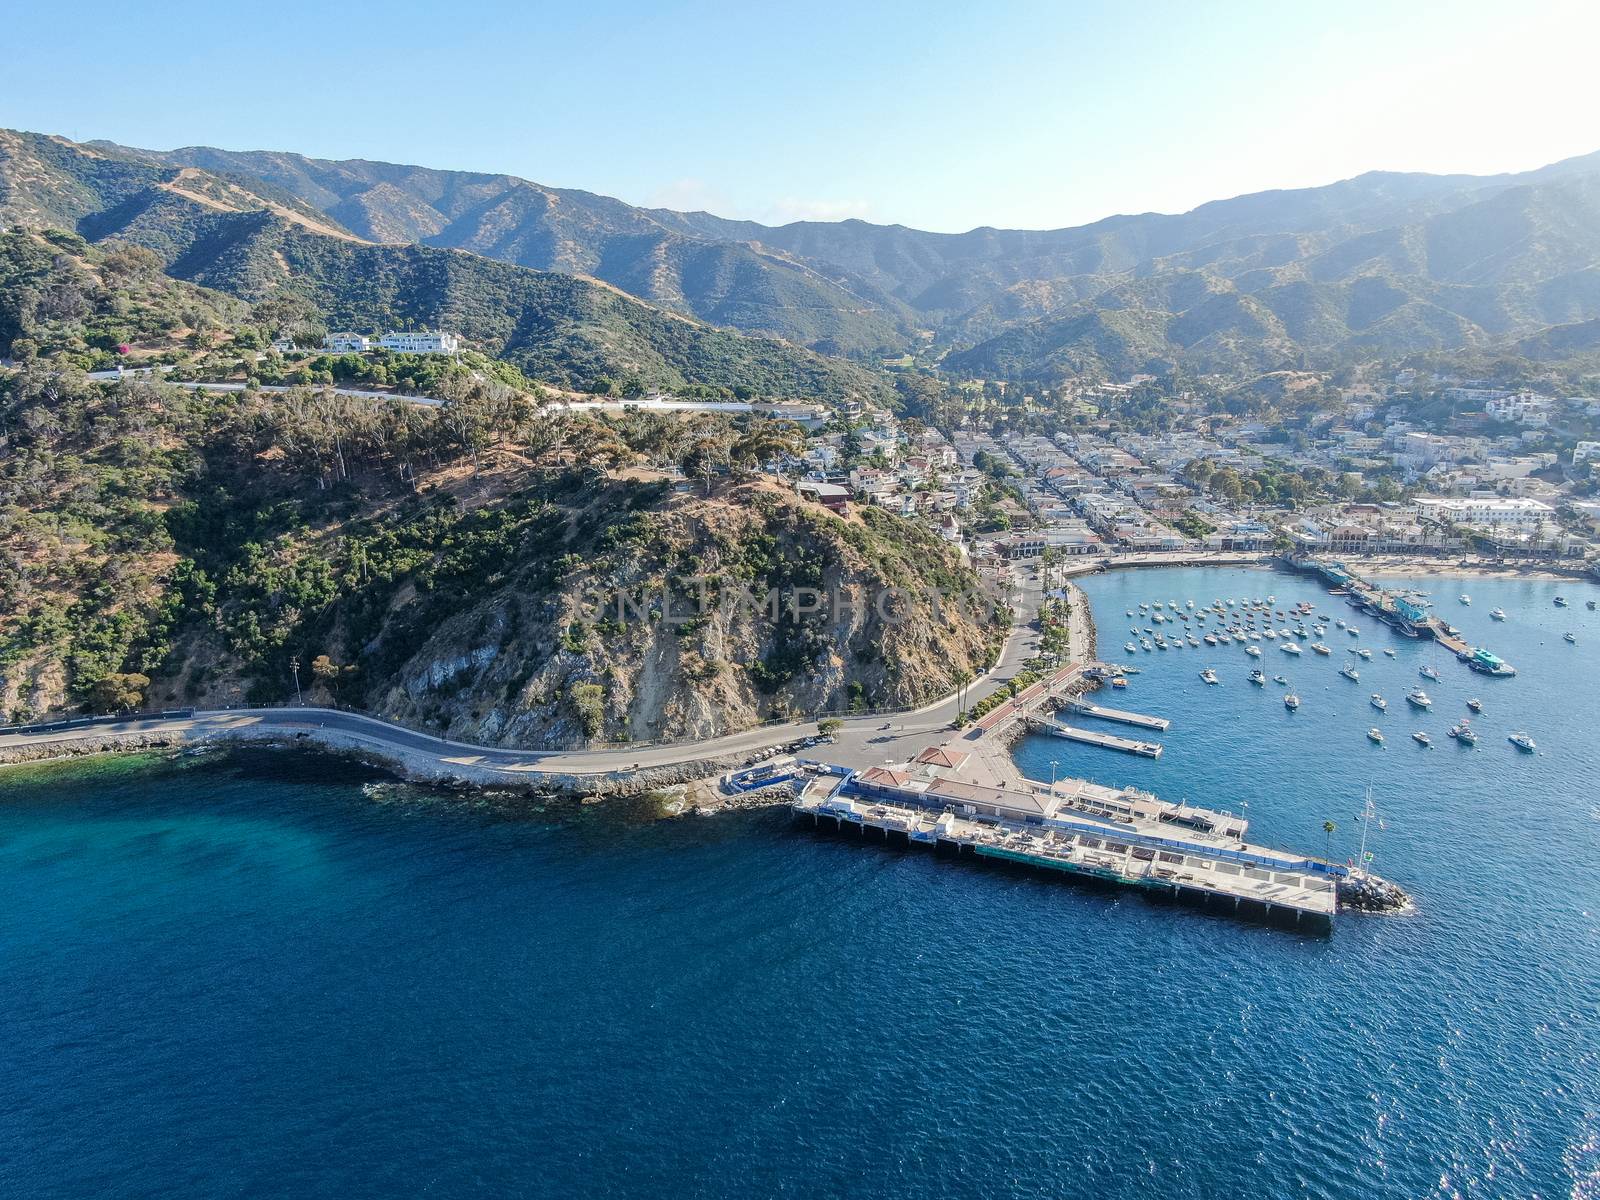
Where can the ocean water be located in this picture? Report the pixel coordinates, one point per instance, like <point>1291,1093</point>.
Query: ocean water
<point>258,974</point>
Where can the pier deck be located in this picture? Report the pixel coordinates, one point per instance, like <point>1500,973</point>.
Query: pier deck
<point>1092,737</point>
<point>1118,715</point>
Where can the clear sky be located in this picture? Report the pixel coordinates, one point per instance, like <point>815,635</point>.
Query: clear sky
<point>944,116</point>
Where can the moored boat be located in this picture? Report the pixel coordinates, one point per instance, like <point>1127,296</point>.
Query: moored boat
<point>1475,705</point>
<point>1379,703</point>
<point>1291,701</point>
<point>1209,676</point>
<point>1349,672</point>
<point>1522,742</point>
<point>1419,698</point>
<point>1375,735</point>
<point>1421,738</point>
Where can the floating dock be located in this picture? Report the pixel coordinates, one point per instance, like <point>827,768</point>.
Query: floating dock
<point>1160,724</point>
<point>1091,737</point>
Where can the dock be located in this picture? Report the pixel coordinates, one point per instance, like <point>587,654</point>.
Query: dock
<point>1160,724</point>
<point>1091,737</point>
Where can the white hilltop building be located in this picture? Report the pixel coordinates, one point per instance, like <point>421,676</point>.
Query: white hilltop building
<point>401,343</point>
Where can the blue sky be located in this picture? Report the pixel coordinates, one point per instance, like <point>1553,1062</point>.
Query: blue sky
<point>941,116</point>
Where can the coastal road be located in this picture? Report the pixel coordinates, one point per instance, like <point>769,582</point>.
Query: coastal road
<point>863,741</point>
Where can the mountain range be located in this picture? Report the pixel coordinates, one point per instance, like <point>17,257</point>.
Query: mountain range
<point>1382,265</point>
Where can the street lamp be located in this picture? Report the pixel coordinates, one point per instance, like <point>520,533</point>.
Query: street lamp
<point>1053,764</point>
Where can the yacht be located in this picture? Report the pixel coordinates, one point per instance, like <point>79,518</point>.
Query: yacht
<point>1349,672</point>
<point>1568,637</point>
<point>1290,648</point>
<point>1465,599</point>
<point>1421,738</point>
<point>1497,614</point>
<point>1379,703</point>
<point>1427,672</point>
<point>1375,735</point>
<point>1475,705</point>
<point>1253,651</point>
<point>1257,678</point>
<point>1209,676</point>
<point>1464,734</point>
<point>1320,648</point>
<point>1419,698</point>
<point>1522,742</point>
<point>1291,701</point>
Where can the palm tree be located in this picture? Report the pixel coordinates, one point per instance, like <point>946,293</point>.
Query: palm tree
<point>1327,839</point>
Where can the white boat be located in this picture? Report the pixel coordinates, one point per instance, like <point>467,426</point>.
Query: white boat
<point>1209,676</point>
<point>1421,738</point>
<point>1253,651</point>
<point>1210,639</point>
<point>1290,648</point>
<point>1464,734</point>
<point>1280,679</point>
<point>1427,672</point>
<point>1561,601</point>
<point>1272,633</point>
<point>1349,672</point>
<point>1390,652</point>
<point>1522,742</point>
<point>1320,648</point>
<point>1130,647</point>
<point>1130,612</point>
<point>1291,701</point>
<point>1193,641</point>
<point>1464,598</point>
<point>1352,631</point>
<point>1362,653</point>
<point>1497,614</point>
<point>1257,678</point>
<point>1376,735</point>
<point>1475,705</point>
<point>1568,637</point>
<point>1340,622</point>
<point>1379,703</point>
<point>1144,644</point>
<point>1419,698</point>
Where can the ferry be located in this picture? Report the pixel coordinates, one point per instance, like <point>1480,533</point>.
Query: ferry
<point>1568,637</point>
<point>1475,705</point>
<point>1290,648</point>
<point>1421,738</point>
<point>1522,742</point>
<point>1379,703</point>
<point>1320,648</point>
<point>1257,678</point>
<point>1375,735</point>
<point>1497,614</point>
<point>1464,734</point>
<point>1291,701</point>
<point>1349,672</point>
<point>1427,672</point>
<point>1253,651</point>
<point>1209,676</point>
<point>1419,698</point>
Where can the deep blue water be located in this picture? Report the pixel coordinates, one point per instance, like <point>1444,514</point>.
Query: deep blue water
<point>261,974</point>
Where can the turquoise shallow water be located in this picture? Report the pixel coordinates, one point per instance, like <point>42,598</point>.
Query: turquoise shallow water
<point>264,974</point>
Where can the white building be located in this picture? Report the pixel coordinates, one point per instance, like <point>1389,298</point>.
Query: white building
<point>1491,512</point>
<point>347,343</point>
<point>420,343</point>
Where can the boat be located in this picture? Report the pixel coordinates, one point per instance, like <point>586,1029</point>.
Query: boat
<point>1320,648</point>
<point>1375,735</point>
<point>1290,648</point>
<point>1349,672</point>
<point>1475,705</point>
<point>1280,679</point>
<point>1130,612</point>
<point>1352,631</point>
<point>1209,676</point>
<point>1389,650</point>
<point>1561,602</point>
<point>1379,703</point>
<point>1589,604</point>
<point>1497,614</point>
<point>1464,598</point>
<point>1419,698</point>
<point>1291,701</point>
<point>1253,651</point>
<point>1130,647</point>
<point>1421,738</point>
<point>1481,661</point>
<point>1522,742</point>
<point>1257,678</point>
<point>1119,682</point>
<point>1464,734</point>
<point>1363,653</point>
<point>1340,622</point>
<point>1272,633</point>
<point>1427,672</point>
<point>1144,644</point>
<point>1210,639</point>
<point>1568,637</point>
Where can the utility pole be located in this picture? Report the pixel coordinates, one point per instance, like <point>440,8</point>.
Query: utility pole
<point>1053,765</point>
<point>294,666</point>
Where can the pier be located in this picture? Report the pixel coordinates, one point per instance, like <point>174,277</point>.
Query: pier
<point>1091,737</point>
<point>1160,724</point>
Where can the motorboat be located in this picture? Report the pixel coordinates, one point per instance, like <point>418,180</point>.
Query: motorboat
<point>1379,703</point>
<point>1280,679</point>
<point>1257,678</point>
<point>1497,614</point>
<point>1475,705</point>
<point>1352,631</point>
<point>1320,648</point>
<point>1119,682</point>
<point>1522,742</point>
<point>1253,651</point>
<point>1464,733</point>
<point>1291,701</point>
<point>1349,672</point>
<point>1464,598</point>
<point>1363,653</point>
<point>1428,672</point>
<point>1421,738</point>
<point>1389,650</point>
<point>1419,698</point>
<point>1569,637</point>
<point>1210,639</point>
<point>1561,602</point>
<point>1209,676</point>
<point>1130,647</point>
<point>1375,735</point>
<point>1290,648</point>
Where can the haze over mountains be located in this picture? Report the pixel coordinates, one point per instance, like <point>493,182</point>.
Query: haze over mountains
<point>1381,265</point>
